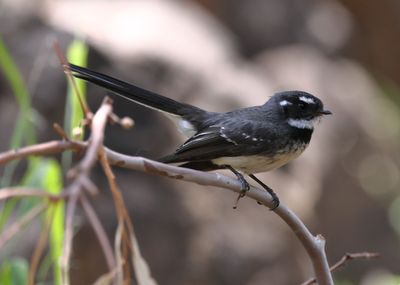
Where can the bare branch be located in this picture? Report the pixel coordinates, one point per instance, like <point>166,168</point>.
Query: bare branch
<point>118,255</point>
<point>64,63</point>
<point>314,245</point>
<point>100,232</point>
<point>37,253</point>
<point>14,192</point>
<point>60,131</point>
<point>107,277</point>
<point>21,223</point>
<point>351,256</point>
<point>46,148</point>
<point>347,257</point>
<point>80,175</point>
<point>122,216</point>
<point>186,174</point>
<point>141,268</point>
<point>97,136</point>
<point>68,233</point>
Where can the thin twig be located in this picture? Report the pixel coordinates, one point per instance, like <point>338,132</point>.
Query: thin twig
<point>97,136</point>
<point>122,215</point>
<point>64,63</point>
<point>40,246</point>
<point>119,278</point>
<point>60,131</point>
<point>80,175</point>
<point>342,262</point>
<point>350,256</point>
<point>46,148</point>
<point>15,192</point>
<point>68,234</point>
<point>21,223</point>
<point>100,232</point>
<point>107,277</point>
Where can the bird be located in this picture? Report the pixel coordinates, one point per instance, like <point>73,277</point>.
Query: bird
<point>245,141</point>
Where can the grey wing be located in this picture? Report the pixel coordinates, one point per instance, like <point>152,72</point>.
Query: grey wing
<point>205,145</point>
<point>217,141</point>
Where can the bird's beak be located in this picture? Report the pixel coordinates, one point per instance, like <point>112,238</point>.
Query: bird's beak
<point>326,112</point>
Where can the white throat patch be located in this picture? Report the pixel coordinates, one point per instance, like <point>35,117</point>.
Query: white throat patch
<point>302,123</point>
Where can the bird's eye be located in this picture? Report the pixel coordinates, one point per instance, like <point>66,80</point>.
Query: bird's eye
<point>285,109</point>
<point>302,106</point>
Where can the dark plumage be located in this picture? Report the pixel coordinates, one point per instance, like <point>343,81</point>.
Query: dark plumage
<point>251,140</point>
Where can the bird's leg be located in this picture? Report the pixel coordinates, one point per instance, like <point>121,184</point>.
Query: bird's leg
<point>275,199</point>
<point>244,185</point>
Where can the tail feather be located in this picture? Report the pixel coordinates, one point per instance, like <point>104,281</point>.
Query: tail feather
<point>134,93</point>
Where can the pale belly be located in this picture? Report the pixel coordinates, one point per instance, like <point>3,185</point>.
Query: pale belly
<point>258,163</point>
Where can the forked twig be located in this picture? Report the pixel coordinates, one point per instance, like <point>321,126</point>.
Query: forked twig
<point>80,175</point>
<point>342,262</point>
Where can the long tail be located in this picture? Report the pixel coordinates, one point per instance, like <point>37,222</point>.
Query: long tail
<point>134,93</point>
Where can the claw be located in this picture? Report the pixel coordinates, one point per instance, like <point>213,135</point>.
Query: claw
<point>244,185</point>
<point>275,201</point>
<point>243,189</point>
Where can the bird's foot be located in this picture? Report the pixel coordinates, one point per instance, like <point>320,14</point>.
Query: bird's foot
<point>243,189</point>
<point>244,185</point>
<point>275,199</point>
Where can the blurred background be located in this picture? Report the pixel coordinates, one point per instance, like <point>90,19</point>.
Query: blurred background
<point>221,55</point>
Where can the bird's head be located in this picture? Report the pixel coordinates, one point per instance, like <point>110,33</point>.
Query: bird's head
<point>300,109</point>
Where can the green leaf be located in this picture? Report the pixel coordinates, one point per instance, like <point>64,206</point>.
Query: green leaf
<point>56,238</point>
<point>6,211</point>
<point>52,183</point>
<point>14,272</point>
<point>23,129</point>
<point>77,54</point>
<point>34,177</point>
<point>46,174</point>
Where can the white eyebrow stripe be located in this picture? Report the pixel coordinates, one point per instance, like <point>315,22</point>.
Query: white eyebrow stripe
<point>307,100</point>
<point>284,103</point>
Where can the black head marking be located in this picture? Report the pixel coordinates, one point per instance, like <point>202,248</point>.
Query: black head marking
<point>299,105</point>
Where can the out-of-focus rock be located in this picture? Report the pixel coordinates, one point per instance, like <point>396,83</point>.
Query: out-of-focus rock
<point>179,33</point>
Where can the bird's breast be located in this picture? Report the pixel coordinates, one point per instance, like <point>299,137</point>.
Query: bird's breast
<point>262,162</point>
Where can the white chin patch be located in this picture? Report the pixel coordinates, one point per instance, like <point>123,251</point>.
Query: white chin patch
<point>302,123</point>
